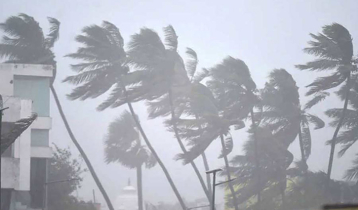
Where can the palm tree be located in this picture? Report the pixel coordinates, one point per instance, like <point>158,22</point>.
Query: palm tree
<point>334,49</point>
<point>348,137</point>
<point>282,112</point>
<point>123,145</point>
<point>234,88</point>
<point>274,162</point>
<point>304,133</point>
<point>25,42</point>
<point>167,81</point>
<point>105,67</point>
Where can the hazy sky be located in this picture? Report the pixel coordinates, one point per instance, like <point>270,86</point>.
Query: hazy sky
<point>265,34</point>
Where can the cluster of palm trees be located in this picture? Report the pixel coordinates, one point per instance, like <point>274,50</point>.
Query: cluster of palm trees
<point>201,106</point>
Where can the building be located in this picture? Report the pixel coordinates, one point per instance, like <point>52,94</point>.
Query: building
<point>25,89</point>
<point>128,199</point>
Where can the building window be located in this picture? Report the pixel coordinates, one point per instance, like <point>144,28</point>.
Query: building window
<point>36,89</point>
<point>39,138</point>
<point>37,181</point>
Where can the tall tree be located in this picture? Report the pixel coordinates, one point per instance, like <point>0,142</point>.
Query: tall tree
<point>25,42</point>
<point>274,162</point>
<point>123,145</point>
<point>280,113</point>
<point>334,49</point>
<point>349,136</point>
<point>234,88</point>
<point>166,81</point>
<point>105,66</point>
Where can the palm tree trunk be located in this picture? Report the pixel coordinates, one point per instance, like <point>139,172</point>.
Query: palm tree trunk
<point>206,166</point>
<point>208,180</point>
<point>140,187</point>
<point>301,144</point>
<point>183,147</point>
<point>227,166</point>
<point>334,138</point>
<point>83,154</point>
<point>167,175</point>
<point>257,158</point>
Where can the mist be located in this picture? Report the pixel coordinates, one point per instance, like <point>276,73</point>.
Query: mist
<point>265,35</point>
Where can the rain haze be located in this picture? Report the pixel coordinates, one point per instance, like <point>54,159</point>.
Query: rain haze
<point>266,35</point>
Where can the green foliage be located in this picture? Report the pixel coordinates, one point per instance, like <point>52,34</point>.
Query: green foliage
<point>63,166</point>
<point>24,40</point>
<point>123,144</point>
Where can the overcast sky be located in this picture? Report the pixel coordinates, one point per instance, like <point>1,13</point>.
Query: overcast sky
<point>265,34</point>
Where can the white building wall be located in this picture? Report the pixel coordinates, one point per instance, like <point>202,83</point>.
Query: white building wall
<point>10,172</point>
<point>15,171</point>
<point>22,149</point>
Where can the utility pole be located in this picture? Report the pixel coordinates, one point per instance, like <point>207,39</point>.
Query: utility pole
<point>44,199</point>
<point>214,185</point>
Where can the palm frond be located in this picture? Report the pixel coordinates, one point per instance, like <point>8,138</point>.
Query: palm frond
<point>146,50</point>
<point>25,29</point>
<point>307,141</point>
<point>54,34</point>
<point>123,143</point>
<point>171,38</point>
<point>320,64</point>
<point>324,83</point>
<point>318,122</point>
<point>352,173</point>
<point>7,139</point>
<point>318,97</point>
<point>350,120</point>
<point>192,62</point>
<point>229,145</point>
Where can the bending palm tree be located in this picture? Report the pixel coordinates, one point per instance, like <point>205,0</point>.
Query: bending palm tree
<point>274,161</point>
<point>349,136</point>
<point>334,49</point>
<point>26,43</point>
<point>104,67</point>
<point>123,145</point>
<point>231,82</point>
<point>166,82</point>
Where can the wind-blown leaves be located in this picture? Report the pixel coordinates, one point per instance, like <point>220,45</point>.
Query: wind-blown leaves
<point>123,144</point>
<point>318,97</point>
<point>352,173</point>
<point>229,144</point>
<point>192,62</point>
<point>24,41</point>
<point>54,34</point>
<point>307,142</point>
<point>7,139</point>
<point>318,122</point>
<point>103,63</point>
<point>171,39</point>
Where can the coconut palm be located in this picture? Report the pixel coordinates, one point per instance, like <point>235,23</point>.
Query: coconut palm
<point>123,145</point>
<point>25,42</point>
<point>231,100</point>
<point>349,136</point>
<point>104,67</point>
<point>166,83</point>
<point>334,49</point>
<point>234,88</point>
<point>282,113</point>
<point>274,162</point>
